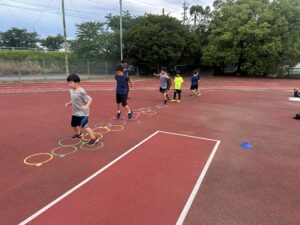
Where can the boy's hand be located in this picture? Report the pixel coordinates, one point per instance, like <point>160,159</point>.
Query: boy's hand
<point>67,104</point>
<point>84,107</point>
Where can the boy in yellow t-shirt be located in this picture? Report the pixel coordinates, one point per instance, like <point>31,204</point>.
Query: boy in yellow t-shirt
<point>177,86</point>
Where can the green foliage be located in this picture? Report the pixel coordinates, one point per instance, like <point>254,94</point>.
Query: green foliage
<point>18,38</point>
<point>28,54</point>
<point>258,37</point>
<point>53,42</point>
<point>156,40</point>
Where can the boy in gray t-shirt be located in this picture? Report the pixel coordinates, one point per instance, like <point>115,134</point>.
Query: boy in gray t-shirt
<point>80,102</point>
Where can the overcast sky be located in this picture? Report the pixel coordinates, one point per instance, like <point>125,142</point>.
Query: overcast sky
<point>44,16</point>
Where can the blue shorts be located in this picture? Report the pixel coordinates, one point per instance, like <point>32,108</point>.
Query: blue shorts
<point>80,121</point>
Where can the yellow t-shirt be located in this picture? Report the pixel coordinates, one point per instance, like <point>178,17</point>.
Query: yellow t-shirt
<point>178,82</point>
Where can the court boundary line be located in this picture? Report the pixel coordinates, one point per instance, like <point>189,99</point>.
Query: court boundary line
<point>187,205</point>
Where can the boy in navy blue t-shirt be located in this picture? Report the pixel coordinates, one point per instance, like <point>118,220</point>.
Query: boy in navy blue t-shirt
<point>194,83</point>
<point>122,91</point>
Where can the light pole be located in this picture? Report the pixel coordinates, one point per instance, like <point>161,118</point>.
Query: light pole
<point>65,37</point>
<point>121,30</point>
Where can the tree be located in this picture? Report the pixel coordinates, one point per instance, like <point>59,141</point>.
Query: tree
<point>94,41</point>
<point>53,42</point>
<point>249,34</point>
<point>113,22</point>
<point>18,38</point>
<point>158,40</point>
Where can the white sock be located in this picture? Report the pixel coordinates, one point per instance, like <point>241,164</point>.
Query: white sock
<point>119,111</point>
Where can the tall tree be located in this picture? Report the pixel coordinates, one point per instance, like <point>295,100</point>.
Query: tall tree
<point>53,42</point>
<point>94,41</point>
<point>158,40</point>
<point>18,38</point>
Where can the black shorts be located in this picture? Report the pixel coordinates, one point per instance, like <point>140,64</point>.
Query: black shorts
<point>162,90</point>
<point>194,87</point>
<point>80,121</point>
<point>121,98</point>
<point>177,91</point>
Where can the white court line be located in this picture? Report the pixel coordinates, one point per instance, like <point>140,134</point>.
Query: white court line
<point>187,205</point>
<point>84,182</point>
<point>197,186</point>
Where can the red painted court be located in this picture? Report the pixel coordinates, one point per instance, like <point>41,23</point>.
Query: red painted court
<point>175,164</point>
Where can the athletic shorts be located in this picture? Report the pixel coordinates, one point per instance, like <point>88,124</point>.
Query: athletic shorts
<point>162,90</point>
<point>177,91</point>
<point>121,98</point>
<point>194,87</point>
<point>80,121</point>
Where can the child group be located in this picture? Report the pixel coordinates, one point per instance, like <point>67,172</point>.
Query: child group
<point>81,101</point>
<point>166,82</point>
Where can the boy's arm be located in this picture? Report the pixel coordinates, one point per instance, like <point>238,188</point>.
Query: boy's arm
<point>68,103</point>
<point>129,81</point>
<point>87,105</point>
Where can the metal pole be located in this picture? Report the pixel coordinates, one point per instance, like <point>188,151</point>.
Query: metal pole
<point>121,30</point>
<point>65,37</point>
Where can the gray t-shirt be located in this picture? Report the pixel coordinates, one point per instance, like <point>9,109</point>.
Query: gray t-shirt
<point>163,82</point>
<point>79,98</point>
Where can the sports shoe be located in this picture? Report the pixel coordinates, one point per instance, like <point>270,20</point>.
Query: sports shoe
<point>130,115</point>
<point>173,100</point>
<point>198,94</point>
<point>93,142</point>
<point>178,101</point>
<point>118,115</point>
<point>77,135</point>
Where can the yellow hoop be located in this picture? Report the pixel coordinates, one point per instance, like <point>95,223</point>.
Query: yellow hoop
<point>38,163</point>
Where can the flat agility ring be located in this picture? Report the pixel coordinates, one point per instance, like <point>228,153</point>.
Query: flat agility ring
<point>116,129</point>
<point>101,145</point>
<point>65,145</point>
<point>101,132</point>
<point>63,154</point>
<point>98,135</point>
<point>38,163</point>
<point>147,109</point>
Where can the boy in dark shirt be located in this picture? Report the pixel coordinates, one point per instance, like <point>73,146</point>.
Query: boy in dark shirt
<point>122,91</point>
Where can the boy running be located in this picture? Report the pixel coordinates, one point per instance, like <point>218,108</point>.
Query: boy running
<point>163,77</point>
<point>177,86</point>
<point>80,102</point>
<point>194,83</point>
<point>122,91</point>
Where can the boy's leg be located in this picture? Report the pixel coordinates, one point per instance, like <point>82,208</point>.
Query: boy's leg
<point>77,130</point>
<point>90,133</point>
<point>179,95</point>
<point>75,123</point>
<point>174,99</point>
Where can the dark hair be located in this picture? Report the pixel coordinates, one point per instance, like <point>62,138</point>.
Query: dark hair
<point>119,68</point>
<point>73,77</point>
<point>164,68</point>
<point>195,71</point>
<point>123,61</point>
<point>178,72</point>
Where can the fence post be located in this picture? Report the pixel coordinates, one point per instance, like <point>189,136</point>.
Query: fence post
<point>88,68</point>
<point>45,76</point>
<point>18,68</point>
<point>105,68</point>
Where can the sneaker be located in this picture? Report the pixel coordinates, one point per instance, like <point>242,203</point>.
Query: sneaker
<point>130,115</point>
<point>178,101</point>
<point>198,94</point>
<point>165,102</point>
<point>93,142</point>
<point>77,135</point>
<point>173,100</point>
<point>118,115</point>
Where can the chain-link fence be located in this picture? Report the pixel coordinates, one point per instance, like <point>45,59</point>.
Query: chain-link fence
<point>49,69</point>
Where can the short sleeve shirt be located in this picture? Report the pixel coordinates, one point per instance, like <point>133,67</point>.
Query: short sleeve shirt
<point>79,98</point>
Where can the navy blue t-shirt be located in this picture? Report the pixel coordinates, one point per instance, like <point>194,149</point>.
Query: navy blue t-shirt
<point>122,87</point>
<point>194,80</point>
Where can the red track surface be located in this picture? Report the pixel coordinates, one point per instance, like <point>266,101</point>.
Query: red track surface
<point>149,186</point>
<point>256,186</point>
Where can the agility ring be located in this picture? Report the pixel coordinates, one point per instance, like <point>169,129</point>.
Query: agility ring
<point>82,146</point>
<point>103,131</point>
<point>116,128</point>
<point>98,135</point>
<point>38,163</point>
<point>53,151</point>
<point>60,142</point>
